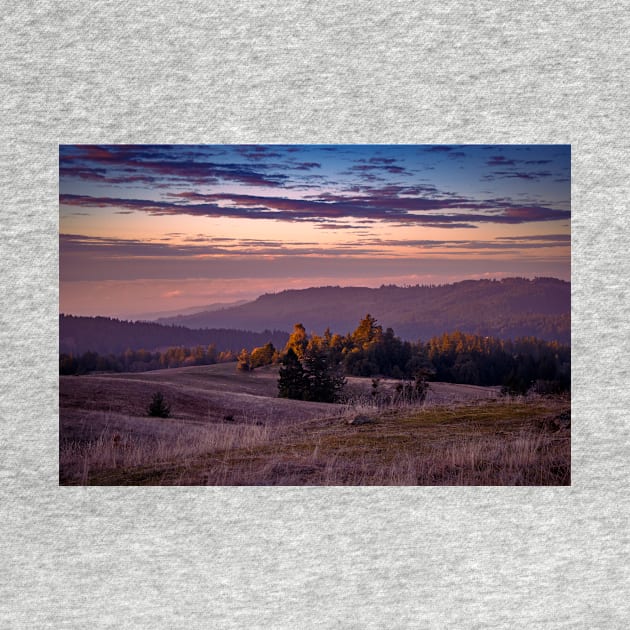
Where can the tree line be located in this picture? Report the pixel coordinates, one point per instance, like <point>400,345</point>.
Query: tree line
<point>316,364</point>
<point>106,335</point>
<point>314,367</point>
<point>142,360</point>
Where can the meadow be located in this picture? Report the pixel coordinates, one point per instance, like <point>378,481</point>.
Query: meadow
<point>230,428</point>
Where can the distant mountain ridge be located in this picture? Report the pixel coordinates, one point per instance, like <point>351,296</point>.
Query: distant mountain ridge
<point>508,308</point>
<point>215,306</point>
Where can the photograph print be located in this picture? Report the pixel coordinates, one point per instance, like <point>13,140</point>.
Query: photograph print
<point>306,315</point>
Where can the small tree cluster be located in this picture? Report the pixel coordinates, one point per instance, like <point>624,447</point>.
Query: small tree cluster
<point>264,355</point>
<point>312,374</point>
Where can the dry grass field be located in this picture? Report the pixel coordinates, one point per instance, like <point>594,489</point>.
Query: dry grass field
<point>229,428</point>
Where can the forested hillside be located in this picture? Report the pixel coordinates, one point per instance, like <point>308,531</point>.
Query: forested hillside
<point>314,367</point>
<point>506,309</point>
<point>316,363</point>
<point>105,335</point>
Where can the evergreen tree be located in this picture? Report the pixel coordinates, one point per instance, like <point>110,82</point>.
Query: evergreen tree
<point>324,378</point>
<point>292,381</point>
<point>159,408</point>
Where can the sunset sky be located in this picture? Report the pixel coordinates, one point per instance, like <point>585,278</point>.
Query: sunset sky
<point>146,229</point>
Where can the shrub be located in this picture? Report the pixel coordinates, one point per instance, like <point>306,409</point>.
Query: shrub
<point>412,391</point>
<point>159,408</point>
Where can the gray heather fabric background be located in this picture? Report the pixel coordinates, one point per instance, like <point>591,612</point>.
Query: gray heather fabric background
<point>347,72</point>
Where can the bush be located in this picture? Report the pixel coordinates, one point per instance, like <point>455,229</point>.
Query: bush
<point>412,391</point>
<point>159,408</point>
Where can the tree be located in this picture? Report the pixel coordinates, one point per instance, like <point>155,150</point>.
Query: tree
<point>297,341</point>
<point>244,361</point>
<point>159,408</point>
<point>67,364</point>
<point>324,378</point>
<point>367,332</point>
<point>262,355</point>
<point>292,381</point>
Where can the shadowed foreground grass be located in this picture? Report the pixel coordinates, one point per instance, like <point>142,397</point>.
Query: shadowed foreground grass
<point>485,443</point>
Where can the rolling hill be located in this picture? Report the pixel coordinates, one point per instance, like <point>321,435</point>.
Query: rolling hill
<point>508,308</point>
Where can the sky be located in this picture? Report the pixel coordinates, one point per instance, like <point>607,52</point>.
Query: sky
<point>157,229</point>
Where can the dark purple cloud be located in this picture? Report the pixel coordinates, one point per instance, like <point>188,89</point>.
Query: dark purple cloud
<point>531,175</point>
<point>163,164</point>
<point>369,169</point>
<point>390,208</point>
<point>500,160</point>
<point>512,164</point>
<point>257,151</point>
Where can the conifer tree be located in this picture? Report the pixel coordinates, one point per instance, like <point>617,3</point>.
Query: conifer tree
<point>324,379</point>
<point>159,408</point>
<point>292,382</point>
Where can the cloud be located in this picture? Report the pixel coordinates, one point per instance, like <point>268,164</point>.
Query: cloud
<point>79,246</point>
<point>338,226</point>
<point>512,164</point>
<point>257,151</point>
<point>391,208</point>
<point>109,247</point>
<point>368,169</point>
<point>161,164</point>
<point>100,257</point>
<point>533,175</point>
<point>538,237</point>
<point>305,166</point>
<point>477,245</point>
<point>301,266</point>
<point>379,160</point>
<point>500,160</point>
